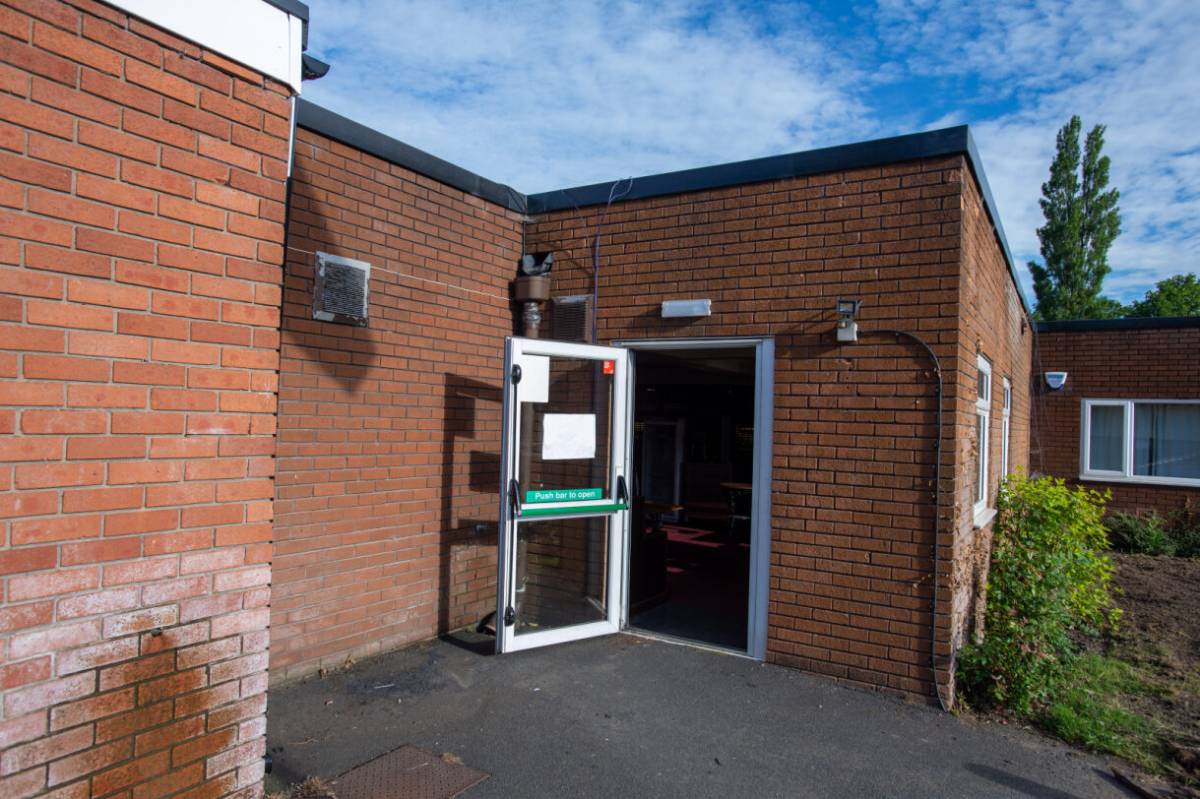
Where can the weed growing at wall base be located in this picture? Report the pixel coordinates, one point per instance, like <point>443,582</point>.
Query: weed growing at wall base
<point>1049,577</point>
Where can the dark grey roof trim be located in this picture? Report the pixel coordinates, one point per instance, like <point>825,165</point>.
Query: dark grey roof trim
<point>990,204</point>
<point>293,7</point>
<point>913,146</point>
<point>930,144</point>
<point>1135,323</point>
<point>760,170</point>
<point>315,118</point>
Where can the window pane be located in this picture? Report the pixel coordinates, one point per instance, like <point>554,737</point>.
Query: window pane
<point>983,390</point>
<point>1107,439</point>
<point>1004,447</point>
<point>981,459</point>
<point>1166,440</point>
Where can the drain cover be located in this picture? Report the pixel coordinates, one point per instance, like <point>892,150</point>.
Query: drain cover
<point>407,773</point>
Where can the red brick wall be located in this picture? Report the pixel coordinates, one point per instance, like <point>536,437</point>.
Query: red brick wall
<point>992,322</point>
<point>1112,364</point>
<point>389,435</point>
<point>850,588</point>
<point>141,209</point>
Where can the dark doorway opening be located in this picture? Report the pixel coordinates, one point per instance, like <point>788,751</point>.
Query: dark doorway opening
<point>693,461</point>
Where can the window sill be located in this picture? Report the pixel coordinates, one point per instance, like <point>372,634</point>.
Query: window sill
<point>984,517</point>
<point>1178,482</point>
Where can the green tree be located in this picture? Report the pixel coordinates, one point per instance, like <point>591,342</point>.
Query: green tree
<point>1082,219</point>
<point>1175,296</point>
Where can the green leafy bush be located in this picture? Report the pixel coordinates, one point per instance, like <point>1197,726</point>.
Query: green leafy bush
<point>1049,576</point>
<point>1154,534</point>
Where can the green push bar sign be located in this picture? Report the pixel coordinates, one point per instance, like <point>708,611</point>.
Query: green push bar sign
<point>563,495</point>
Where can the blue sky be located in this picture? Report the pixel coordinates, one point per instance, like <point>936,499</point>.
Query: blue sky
<point>544,95</point>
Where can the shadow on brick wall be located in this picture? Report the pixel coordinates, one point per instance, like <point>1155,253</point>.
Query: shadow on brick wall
<point>467,545</point>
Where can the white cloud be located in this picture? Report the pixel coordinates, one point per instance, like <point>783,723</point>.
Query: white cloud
<point>544,95</point>
<point>1130,66</point>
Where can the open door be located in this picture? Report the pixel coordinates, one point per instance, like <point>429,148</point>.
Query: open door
<point>564,496</point>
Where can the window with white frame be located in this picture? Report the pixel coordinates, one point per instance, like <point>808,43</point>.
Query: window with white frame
<point>1004,427</point>
<point>983,418</point>
<point>1141,441</point>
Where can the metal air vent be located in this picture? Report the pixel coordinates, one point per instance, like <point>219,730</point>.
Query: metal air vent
<point>571,318</point>
<point>340,291</point>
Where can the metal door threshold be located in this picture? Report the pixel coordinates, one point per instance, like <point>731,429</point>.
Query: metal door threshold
<point>676,640</point>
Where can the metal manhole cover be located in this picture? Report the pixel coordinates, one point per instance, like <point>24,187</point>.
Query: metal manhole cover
<point>407,773</point>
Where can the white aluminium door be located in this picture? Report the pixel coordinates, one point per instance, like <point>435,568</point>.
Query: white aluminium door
<point>564,513</point>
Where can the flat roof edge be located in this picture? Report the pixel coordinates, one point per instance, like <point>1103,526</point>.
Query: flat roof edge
<point>1134,323</point>
<point>293,7</point>
<point>313,117</point>
<point>912,146</point>
<point>878,152</point>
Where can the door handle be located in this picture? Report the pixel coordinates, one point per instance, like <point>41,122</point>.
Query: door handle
<point>514,496</point>
<point>622,491</point>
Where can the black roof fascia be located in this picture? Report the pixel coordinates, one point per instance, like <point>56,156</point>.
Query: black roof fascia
<point>293,7</point>
<point>761,170</point>
<point>347,131</point>
<point>910,147</point>
<point>990,204</point>
<point>298,10</point>
<point>1134,323</point>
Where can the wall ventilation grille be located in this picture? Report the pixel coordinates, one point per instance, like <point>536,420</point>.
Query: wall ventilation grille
<point>340,293</point>
<point>571,318</point>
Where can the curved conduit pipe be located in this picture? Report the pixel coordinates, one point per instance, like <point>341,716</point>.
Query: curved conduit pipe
<point>937,485</point>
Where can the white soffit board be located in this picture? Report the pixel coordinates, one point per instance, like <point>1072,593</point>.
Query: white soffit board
<point>251,32</point>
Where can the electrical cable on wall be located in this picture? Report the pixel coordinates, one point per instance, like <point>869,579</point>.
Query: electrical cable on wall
<point>612,197</point>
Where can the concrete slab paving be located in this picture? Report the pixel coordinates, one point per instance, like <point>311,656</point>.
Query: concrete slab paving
<point>626,716</point>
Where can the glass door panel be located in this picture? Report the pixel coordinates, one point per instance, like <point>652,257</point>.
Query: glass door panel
<point>562,573</point>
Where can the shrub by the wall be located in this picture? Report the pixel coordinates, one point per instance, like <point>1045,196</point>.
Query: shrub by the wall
<point>1049,575</point>
<point>1154,534</point>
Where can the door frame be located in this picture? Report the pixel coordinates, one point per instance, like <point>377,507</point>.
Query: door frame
<point>764,423</point>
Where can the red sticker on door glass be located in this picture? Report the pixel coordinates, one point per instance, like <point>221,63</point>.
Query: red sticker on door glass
<point>610,367</point>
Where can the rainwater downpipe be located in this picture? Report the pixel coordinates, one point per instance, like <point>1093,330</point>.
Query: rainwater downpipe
<point>937,486</point>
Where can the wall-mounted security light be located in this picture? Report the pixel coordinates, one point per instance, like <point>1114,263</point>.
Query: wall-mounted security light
<point>681,309</point>
<point>1056,380</point>
<point>847,328</point>
<point>535,264</point>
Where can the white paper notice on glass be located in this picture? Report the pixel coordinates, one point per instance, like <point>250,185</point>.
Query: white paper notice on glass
<point>535,379</point>
<point>568,436</point>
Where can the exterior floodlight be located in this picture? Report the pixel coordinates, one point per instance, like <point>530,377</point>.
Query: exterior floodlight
<point>681,309</point>
<point>1056,380</point>
<point>847,328</point>
<point>535,264</point>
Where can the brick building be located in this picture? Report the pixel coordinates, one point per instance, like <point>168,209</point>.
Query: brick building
<point>142,200</point>
<point>197,467</point>
<point>390,434</point>
<point>1127,418</point>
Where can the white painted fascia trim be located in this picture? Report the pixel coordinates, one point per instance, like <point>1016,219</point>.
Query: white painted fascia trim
<point>255,33</point>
